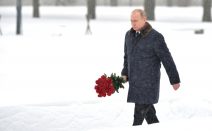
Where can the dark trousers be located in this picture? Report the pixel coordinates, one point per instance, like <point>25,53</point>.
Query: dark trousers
<point>144,111</point>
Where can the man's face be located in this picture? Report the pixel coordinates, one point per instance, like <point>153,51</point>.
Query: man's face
<point>137,21</point>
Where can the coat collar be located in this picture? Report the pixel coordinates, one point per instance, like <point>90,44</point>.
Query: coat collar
<point>144,31</point>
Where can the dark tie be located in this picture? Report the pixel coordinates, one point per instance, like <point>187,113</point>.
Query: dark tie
<point>137,34</point>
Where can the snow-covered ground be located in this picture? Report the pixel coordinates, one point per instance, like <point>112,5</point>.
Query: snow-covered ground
<point>47,75</point>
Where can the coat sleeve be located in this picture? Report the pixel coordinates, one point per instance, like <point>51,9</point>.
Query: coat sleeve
<point>125,65</point>
<point>164,55</point>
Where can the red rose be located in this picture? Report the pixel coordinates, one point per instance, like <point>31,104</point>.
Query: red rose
<point>108,85</point>
<point>104,86</point>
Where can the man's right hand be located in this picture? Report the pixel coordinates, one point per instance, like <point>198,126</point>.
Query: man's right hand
<point>125,78</point>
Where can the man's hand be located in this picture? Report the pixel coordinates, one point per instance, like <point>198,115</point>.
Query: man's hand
<point>125,78</point>
<point>176,86</point>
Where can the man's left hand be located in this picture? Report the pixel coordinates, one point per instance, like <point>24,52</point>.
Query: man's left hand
<point>176,86</point>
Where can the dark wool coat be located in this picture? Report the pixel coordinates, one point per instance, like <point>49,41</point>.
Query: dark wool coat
<point>143,55</point>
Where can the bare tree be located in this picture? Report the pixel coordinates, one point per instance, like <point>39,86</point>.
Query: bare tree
<point>206,10</point>
<point>19,17</point>
<point>91,6</point>
<point>36,5</point>
<point>149,7</point>
<point>114,2</point>
<point>88,29</point>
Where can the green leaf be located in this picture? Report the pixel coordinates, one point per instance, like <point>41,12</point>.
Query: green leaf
<point>117,81</point>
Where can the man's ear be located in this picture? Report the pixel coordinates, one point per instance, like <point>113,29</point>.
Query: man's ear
<point>145,18</point>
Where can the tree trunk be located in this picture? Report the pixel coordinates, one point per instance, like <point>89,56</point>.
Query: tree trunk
<point>149,7</point>
<point>183,2</point>
<point>169,3</point>
<point>60,2</point>
<point>19,17</point>
<point>0,26</point>
<point>130,2</point>
<point>113,2</point>
<point>36,5</point>
<point>91,6</point>
<point>206,10</point>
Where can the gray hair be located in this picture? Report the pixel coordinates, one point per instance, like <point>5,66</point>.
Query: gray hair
<point>142,12</point>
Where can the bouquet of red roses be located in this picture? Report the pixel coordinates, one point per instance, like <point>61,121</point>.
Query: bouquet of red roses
<point>108,85</point>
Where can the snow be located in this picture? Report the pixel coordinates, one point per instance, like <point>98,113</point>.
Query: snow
<point>47,75</point>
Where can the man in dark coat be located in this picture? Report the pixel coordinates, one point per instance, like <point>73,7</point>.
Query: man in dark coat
<point>144,50</point>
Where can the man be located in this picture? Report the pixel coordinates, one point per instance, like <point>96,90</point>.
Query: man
<point>144,50</point>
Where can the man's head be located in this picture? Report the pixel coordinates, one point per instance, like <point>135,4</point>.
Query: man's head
<point>138,19</point>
